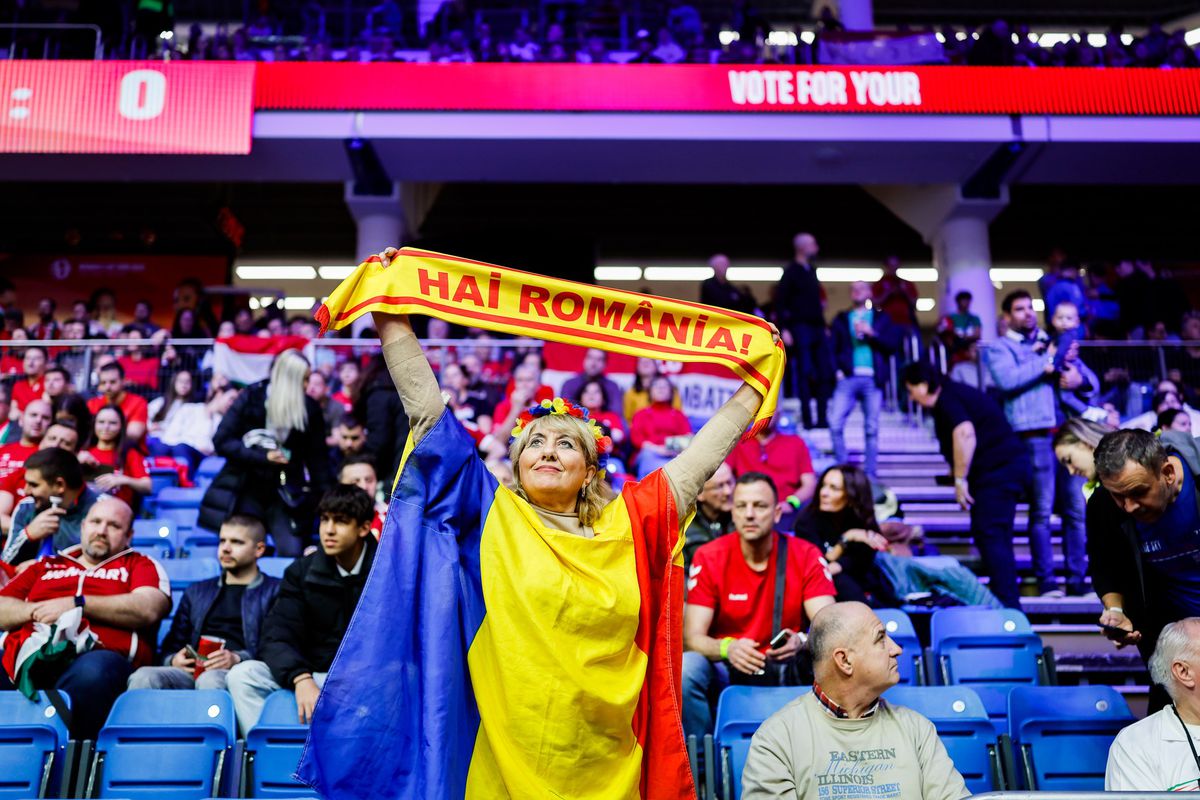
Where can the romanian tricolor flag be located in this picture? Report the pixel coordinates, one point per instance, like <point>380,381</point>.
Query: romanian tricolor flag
<point>492,657</point>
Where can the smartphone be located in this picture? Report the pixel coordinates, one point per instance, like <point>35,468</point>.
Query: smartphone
<point>780,639</point>
<point>1113,632</point>
<point>191,651</point>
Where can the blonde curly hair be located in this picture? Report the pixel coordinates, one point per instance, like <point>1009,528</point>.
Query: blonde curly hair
<point>596,493</point>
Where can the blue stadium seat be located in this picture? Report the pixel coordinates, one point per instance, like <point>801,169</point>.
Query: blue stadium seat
<point>901,629</point>
<point>163,744</point>
<point>180,506</point>
<point>274,565</point>
<point>183,572</point>
<point>740,710</point>
<point>33,740</point>
<point>991,650</point>
<point>1062,734</point>
<point>208,470</point>
<point>147,530</point>
<point>963,726</point>
<point>157,549</point>
<point>163,478</point>
<point>273,748</point>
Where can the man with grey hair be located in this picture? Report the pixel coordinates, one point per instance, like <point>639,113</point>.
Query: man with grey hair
<point>1159,753</point>
<point>1144,535</point>
<point>841,739</point>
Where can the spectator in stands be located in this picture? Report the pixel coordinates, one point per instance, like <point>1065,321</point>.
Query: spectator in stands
<point>1166,397</point>
<point>1068,288</point>
<point>1142,543</point>
<point>117,608</point>
<point>843,730</point>
<point>527,389</point>
<point>31,385</point>
<point>189,295</point>
<point>593,398</point>
<point>349,376</point>
<point>73,408</point>
<point>34,422</point>
<point>359,470</point>
<point>718,291</point>
<point>729,618</point>
<point>668,51</point>
<point>645,49</point>
<point>594,52</point>
<point>842,525</point>
<point>379,407</point>
<point>118,467</point>
<point>638,395</point>
<point>1174,419</point>
<point>785,458</point>
<point>143,313</point>
<point>895,297</point>
<point>800,308</point>
<point>111,385</point>
<point>1158,753</point>
<point>57,382</point>
<point>81,314</point>
<point>74,359</point>
<point>304,628</point>
<point>1074,445</point>
<point>140,370</point>
<point>161,410</point>
<point>523,47</point>
<point>316,386</point>
<point>61,433</point>
<point>46,328</point>
<point>230,607</point>
<point>595,362</point>
<point>350,438</point>
<point>989,463</point>
<point>862,342</point>
<point>181,357</point>
<point>958,331</point>
<point>1024,364</point>
<point>10,429</point>
<point>50,517</point>
<point>684,22</point>
<point>276,461</point>
<point>188,435</point>
<point>660,431</point>
<point>712,519</point>
<point>470,408</point>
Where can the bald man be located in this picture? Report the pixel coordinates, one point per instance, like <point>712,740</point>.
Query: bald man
<point>718,291</point>
<point>98,590</point>
<point>841,739</point>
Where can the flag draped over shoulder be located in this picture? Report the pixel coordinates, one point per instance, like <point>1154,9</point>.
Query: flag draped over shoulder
<point>492,657</point>
<point>473,293</point>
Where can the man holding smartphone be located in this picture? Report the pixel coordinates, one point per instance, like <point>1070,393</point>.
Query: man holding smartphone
<point>729,629</point>
<point>225,613</point>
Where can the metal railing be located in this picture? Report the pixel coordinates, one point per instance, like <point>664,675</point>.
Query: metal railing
<point>48,41</point>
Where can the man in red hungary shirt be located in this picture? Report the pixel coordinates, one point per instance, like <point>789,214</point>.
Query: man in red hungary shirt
<point>730,610</point>
<point>111,385</point>
<point>107,592</point>
<point>35,420</point>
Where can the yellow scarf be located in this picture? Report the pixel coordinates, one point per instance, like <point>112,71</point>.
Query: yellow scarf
<point>494,298</point>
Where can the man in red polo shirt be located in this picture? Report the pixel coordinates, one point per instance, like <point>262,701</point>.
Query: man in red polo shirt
<point>785,458</point>
<point>111,385</point>
<point>105,596</point>
<point>728,618</point>
<point>31,386</point>
<point>34,421</point>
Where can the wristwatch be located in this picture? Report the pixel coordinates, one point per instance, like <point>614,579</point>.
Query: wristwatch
<point>79,601</point>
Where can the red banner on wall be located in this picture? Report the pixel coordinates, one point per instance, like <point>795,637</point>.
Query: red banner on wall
<point>125,107</point>
<point>718,88</point>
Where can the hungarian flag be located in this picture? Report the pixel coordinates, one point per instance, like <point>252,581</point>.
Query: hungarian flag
<point>64,639</point>
<point>247,359</point>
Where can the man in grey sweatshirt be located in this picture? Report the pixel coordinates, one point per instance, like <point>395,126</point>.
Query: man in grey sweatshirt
<point>841,733</point>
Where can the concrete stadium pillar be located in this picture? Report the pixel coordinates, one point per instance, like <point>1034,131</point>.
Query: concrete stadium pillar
<point>858,15</point>
<point>956,228</point>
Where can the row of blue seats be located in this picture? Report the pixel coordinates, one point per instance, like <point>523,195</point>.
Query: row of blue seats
<point>1056,738</point>
<point>168,745</point>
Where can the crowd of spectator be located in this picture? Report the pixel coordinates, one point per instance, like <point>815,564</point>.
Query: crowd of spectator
<point>463,31</point>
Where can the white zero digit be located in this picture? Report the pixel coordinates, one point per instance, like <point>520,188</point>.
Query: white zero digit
<point>143,94</point>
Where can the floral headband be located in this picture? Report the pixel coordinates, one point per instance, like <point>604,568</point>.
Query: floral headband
<point>558,405</point>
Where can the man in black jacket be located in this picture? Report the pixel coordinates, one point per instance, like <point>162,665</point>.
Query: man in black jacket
<point>303,631</point>
<point>862,341</point>
<point>800,312</point>
<point>1143,528</point>
<point>230,607</point>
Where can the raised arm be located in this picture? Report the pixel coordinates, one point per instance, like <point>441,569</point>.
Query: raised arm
<point>711,445</point>
<point>410,371</point>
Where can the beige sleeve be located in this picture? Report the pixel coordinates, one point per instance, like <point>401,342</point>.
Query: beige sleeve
<point>939,778</point>
<point>688,471</point>
<point>769,773</point>
<point>415,381</point>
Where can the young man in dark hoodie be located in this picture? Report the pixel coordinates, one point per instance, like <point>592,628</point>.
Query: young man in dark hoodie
<point>302,632</point>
